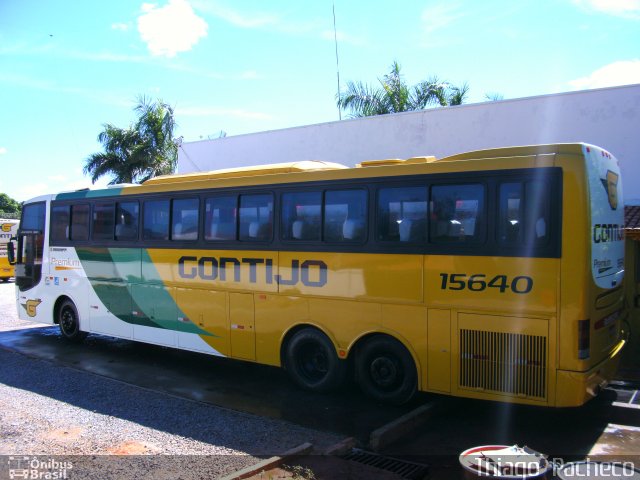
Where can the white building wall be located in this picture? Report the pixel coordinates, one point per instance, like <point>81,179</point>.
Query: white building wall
<point>609,118</point>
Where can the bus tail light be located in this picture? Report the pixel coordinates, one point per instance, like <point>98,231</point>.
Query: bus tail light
<point>584,339</point>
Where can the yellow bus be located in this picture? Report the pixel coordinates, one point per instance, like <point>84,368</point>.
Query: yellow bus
<point>493,274</point>
<point>8,229</point>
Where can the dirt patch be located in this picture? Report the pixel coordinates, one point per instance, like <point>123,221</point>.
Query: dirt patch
<point>132,448</point>
<point>66,434</point>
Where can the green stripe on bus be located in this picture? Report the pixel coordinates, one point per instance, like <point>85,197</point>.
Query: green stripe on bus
<point>115,276</point>
<point>80,194</point>
<point>156,301</point>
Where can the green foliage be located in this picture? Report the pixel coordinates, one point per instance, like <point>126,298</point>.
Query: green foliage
<point>135,154</point>
<point>394,95</point>
<point>9,208</point>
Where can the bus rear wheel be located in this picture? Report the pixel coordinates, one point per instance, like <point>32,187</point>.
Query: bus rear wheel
<point>386,371</point>
<point>311,361</point>
<point>69,322</point>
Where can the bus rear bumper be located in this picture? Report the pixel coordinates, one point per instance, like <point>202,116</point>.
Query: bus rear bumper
<point>576,388</point>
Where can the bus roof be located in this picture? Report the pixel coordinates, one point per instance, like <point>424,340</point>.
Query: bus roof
<point>309,170</point>
<point>566,148</point>
<point>254,170</point>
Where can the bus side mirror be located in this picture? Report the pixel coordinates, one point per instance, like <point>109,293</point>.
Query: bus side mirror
<point>11,252</point>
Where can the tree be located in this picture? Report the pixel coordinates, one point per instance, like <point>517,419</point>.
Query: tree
<point>456,95</point>
<point>9,207</point>
<point>394,95</point>
<point>135,154</point>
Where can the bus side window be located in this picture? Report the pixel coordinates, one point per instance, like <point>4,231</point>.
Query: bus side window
<point>221,218</point>
<point>402,214</point>
<point>457,213</point>
<point>156,220</point>
<point>523,213</point>
<point>184,219</point>
<point>79,222</point>
<point>345,216</point>
<point>537,210</point>
<point>301,216</point>
<point>127,221</point>
<point>60,223</point>
<point>510,225</point>
<point>103,221</point>
<point>256,217</point>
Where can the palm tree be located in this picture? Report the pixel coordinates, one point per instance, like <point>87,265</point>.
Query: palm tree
<point>456,95</point>
<point>394,95</point>
<point>137,153</point>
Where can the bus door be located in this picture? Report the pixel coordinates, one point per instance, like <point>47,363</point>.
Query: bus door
<point>28,272</point>
<point>242,332</point>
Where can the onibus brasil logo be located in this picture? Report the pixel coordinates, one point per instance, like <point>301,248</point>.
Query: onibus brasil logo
<point>34,468</point>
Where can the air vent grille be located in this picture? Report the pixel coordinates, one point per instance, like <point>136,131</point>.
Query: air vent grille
<point>508,363</point>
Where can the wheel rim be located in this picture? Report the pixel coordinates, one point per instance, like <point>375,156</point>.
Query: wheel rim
<point>68,321</point>
<point>386,372</point>
<point>312,361</point>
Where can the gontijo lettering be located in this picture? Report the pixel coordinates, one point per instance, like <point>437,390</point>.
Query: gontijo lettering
<point>311,273</point>
<point>608,233</point>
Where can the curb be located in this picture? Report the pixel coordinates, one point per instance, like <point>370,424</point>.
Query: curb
<point>268,463</point>
<point>393,431</point>
<point>342,447</point>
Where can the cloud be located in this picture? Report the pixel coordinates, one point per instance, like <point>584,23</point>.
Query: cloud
<point>620,8</point>
<point>30,190</point>
<point>440,16</point>
<point>249,75</point>
<point>104,57</point>
<point>238,19</point>
<point>3,150</point>
<point>171,29</point>
<point>260,20</point>
<point>624,72</point>
<point>91,93</point>
<point>53,184</point>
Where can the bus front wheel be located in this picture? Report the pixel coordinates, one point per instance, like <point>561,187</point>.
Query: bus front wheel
<point>311,361</point>
<point>386,371</point>
<point>69,322</point>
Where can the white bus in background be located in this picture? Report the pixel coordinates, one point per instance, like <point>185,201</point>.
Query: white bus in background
<point>8,229</point>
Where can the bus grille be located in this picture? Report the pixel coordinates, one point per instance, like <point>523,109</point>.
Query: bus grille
<point>503,362</point>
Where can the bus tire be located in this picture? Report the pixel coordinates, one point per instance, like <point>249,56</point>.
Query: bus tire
<point>311,361</point>
<point>69,322</point>
<point>385,370</point>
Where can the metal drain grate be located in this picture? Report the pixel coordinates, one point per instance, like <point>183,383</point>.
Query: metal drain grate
<point>627,394</point>
<point>402,468</point>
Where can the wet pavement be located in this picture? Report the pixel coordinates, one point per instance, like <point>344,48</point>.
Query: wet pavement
<point>240,386</point>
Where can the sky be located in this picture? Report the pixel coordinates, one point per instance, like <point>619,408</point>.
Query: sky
<point>67,67</point>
